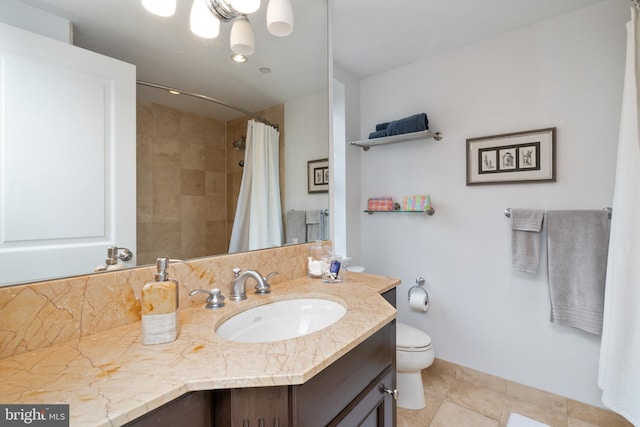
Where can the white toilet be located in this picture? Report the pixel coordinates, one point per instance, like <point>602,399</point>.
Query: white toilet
<point>413,354</point>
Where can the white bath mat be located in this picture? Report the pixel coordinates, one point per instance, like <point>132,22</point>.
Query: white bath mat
<point>517,420</point>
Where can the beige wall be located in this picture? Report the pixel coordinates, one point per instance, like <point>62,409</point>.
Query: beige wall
<point>188,180</point>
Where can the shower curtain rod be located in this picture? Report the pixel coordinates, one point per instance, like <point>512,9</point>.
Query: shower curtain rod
<point>207,98</point>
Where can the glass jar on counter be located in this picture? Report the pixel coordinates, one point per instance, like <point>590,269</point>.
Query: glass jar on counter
<point>317,252</point>
<point>331,268</point>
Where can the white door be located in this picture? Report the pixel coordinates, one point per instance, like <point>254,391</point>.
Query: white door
<point>67,157</point>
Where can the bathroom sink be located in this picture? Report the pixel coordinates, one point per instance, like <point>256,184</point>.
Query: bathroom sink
<point>281,320</point>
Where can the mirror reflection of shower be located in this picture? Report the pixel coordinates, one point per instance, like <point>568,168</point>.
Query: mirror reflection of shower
<point>240,144</point>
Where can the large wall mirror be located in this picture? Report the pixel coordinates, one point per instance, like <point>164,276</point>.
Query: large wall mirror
<point>189,151</point>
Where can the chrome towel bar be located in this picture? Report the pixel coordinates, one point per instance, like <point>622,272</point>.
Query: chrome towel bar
<point>507,212</point>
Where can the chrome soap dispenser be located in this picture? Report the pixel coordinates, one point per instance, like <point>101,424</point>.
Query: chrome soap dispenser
<point>160,307</point>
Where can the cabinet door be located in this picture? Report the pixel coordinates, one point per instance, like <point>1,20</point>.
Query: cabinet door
<point>322,398</point>
<point>372,408</point>
<point>68,157</point>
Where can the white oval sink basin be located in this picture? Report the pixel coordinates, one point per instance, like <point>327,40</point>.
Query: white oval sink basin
<point>281,320</point>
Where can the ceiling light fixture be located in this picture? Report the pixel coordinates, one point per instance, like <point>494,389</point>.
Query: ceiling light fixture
<point>206,16</point>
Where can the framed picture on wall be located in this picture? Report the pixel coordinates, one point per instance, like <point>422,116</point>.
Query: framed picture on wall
<point>512,158</point>
<point>318,176</point>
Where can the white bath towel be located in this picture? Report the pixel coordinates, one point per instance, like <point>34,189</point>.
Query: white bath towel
<point>619,371</point>
<point>526,225</point>
<point>517,420</point>
<point>577,246</point>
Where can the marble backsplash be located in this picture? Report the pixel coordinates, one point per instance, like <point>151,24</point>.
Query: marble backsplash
<point>38,315</point>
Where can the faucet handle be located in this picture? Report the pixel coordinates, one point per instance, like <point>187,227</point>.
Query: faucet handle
<point>270,275</point>
<point>214,301</point>
<point>263,287</point>
<point>236,272</point>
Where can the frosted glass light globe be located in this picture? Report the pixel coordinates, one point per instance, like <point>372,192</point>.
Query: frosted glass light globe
<point>202,21</point>
<point>242,40</point>
<point>160,7</point>
<point>280,18</point>
<point>245,6</point>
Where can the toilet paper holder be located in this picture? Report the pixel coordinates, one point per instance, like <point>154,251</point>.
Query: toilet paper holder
<point>418,287</point>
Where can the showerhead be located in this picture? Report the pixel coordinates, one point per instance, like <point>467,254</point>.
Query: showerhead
<point>240,144</point>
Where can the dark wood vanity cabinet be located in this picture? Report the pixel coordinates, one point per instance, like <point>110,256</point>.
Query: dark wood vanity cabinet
<point>349,392</point>
<point>341,390</point>
<point>352,391</point>
<point>251,407</point>
<point>192,409</point>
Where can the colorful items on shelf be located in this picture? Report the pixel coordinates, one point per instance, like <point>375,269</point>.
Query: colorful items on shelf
<point>380,204</point>
<point>419,202</point>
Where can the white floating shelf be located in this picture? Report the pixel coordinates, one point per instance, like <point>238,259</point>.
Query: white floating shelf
<point>368,143</point>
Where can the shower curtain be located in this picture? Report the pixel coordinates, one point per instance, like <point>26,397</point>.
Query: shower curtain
<point>619,371</point>
<point>258,219</point>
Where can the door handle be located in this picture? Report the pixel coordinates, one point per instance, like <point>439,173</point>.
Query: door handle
<point>114,253</point>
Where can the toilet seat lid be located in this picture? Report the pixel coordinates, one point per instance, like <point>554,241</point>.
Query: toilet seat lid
<point>410,337</point>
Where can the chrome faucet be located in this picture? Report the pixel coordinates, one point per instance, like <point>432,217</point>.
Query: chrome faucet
<point>239,282</point>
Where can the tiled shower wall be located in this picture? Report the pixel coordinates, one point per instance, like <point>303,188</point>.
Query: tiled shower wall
<point>188,179</point>
<point>181,184</point>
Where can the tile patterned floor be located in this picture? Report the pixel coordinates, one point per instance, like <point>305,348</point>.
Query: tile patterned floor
<point>462,397</point>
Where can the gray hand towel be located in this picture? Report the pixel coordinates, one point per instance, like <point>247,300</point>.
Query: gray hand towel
<point>525,239</point>
<point>578,243</point>
<point>296,226</point>
<point>313,225</point>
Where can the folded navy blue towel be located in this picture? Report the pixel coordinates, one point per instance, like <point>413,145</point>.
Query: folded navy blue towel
<point>415,123</point>
<point>378,134</point>
<point>381,126</point>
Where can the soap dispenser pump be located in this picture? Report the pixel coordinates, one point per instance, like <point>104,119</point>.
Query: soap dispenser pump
<point>160,307</point>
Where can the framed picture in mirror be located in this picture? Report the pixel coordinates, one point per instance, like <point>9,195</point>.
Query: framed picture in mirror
<point>318,176</point>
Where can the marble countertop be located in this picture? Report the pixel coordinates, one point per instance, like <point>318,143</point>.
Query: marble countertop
<point>110,378</point>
